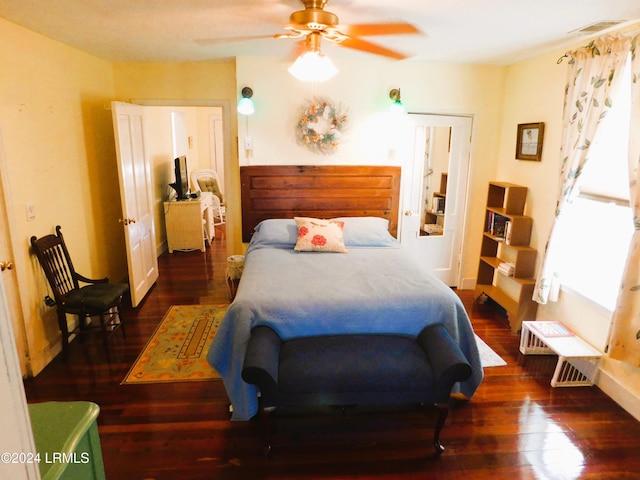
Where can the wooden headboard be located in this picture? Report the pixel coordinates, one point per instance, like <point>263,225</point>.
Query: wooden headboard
<point>285,191</point>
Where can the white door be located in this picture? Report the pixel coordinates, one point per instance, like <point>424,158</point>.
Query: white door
<point>8,270</point>
<point>216,146</point>
<point>16,425</point>
<point>136,196</point>
<point>434,192</point>
<point>14,413</point>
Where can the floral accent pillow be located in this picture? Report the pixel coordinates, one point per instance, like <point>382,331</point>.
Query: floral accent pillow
<point>316,235</point>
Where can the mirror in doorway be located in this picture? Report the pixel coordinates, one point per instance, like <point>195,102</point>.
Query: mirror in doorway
<point>434,182</point>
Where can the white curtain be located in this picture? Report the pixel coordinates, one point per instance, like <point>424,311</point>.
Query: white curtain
<point>625,331</point>
<point>594,73</point>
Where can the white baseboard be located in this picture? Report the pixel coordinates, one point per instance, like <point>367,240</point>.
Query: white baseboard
<point>161,248</point>
<point>621,395</point>
<point>467,284</point>
<point>50,351</point>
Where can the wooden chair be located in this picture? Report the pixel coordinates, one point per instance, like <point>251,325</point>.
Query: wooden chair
<point>97,299</point>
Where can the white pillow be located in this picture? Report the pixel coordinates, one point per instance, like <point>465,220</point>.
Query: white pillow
<point>277,232</point>
<point>367,232</point>
<point>317,235</point>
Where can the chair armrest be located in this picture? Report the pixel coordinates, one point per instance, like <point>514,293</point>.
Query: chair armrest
<point>447,360</point>
<point>261,363</point>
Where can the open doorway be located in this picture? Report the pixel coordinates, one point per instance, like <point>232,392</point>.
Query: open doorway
<point>435,192</point>
<point>172,131</point>
<point>208,146</point>
<point>163,129</point>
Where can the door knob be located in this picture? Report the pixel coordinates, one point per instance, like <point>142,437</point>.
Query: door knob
<point>127,221</point>
<point>408,213</point>
<point>6,266</point>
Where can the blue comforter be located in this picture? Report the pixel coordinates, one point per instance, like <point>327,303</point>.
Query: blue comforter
<point>368,290</point>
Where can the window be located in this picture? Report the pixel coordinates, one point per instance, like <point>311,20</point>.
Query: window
<point>599,223</point>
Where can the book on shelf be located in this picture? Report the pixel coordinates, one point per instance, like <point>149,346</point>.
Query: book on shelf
<point>507,232</point>
<point>438,204</point>
<point>497,224</point>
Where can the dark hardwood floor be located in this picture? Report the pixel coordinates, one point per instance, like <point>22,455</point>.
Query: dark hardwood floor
<point>515,427</point>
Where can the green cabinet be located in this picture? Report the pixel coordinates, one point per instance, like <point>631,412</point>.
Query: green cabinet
<point>67,440</point>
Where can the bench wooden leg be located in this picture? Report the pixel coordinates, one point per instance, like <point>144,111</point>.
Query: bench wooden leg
<point>443,412</point>
<point>265,419</point>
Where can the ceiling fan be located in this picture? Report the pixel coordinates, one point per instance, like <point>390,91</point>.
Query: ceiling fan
<point>314,23</point>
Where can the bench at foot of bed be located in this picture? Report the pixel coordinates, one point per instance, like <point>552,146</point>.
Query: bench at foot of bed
<point>368,369</point>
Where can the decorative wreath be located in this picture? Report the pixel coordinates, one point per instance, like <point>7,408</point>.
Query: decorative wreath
<point>320,126</point>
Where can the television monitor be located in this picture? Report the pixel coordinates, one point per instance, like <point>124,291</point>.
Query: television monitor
<point>181,185</point>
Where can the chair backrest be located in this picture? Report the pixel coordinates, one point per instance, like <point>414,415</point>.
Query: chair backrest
<point>207,180</point>
<point>54,258</point>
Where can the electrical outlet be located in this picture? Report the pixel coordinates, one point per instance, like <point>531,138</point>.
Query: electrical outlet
<point>31,212</point>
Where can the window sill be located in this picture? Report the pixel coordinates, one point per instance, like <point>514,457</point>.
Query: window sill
<point>601,309</point>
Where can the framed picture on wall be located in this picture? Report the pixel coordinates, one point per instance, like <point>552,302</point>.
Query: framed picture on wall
<point>529,141</point>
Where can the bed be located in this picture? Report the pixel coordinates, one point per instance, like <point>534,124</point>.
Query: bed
<point>371,287</point>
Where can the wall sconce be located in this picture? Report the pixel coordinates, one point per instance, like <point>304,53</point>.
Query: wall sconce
<point>313,66</point>
<point>245,105</point>
<point>396,107</point>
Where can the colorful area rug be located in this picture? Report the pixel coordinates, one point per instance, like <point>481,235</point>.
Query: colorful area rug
<point>488,357</point>
<point>178,348</point>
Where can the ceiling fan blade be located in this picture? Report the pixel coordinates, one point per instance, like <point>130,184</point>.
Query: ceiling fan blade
<point>363,45</point>
<point>370,29</point>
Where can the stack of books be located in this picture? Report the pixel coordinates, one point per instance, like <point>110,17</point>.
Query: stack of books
<point>438,204</point>
<point>497,225</point>
<point>507,269</point>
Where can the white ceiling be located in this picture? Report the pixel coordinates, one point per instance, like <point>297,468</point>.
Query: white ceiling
<point>459,31</point>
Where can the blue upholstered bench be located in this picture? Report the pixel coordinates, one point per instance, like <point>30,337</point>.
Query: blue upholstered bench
<point>355,370</point>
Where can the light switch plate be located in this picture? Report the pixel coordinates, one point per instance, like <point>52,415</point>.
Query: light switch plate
<point>31,212</point>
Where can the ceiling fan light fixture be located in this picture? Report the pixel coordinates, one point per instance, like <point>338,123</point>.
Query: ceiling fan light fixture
<point>313,66</point>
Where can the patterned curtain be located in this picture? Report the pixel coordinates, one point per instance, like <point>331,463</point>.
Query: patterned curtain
<point>594,73</point>
<point>625,331</point>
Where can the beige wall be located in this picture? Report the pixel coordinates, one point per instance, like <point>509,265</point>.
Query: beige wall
<point>58,145</point>
<point>159,150</point>
<point>534,92</point>
<point>200,83</point>
<point>57,135</point>
<point>362,88</point>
